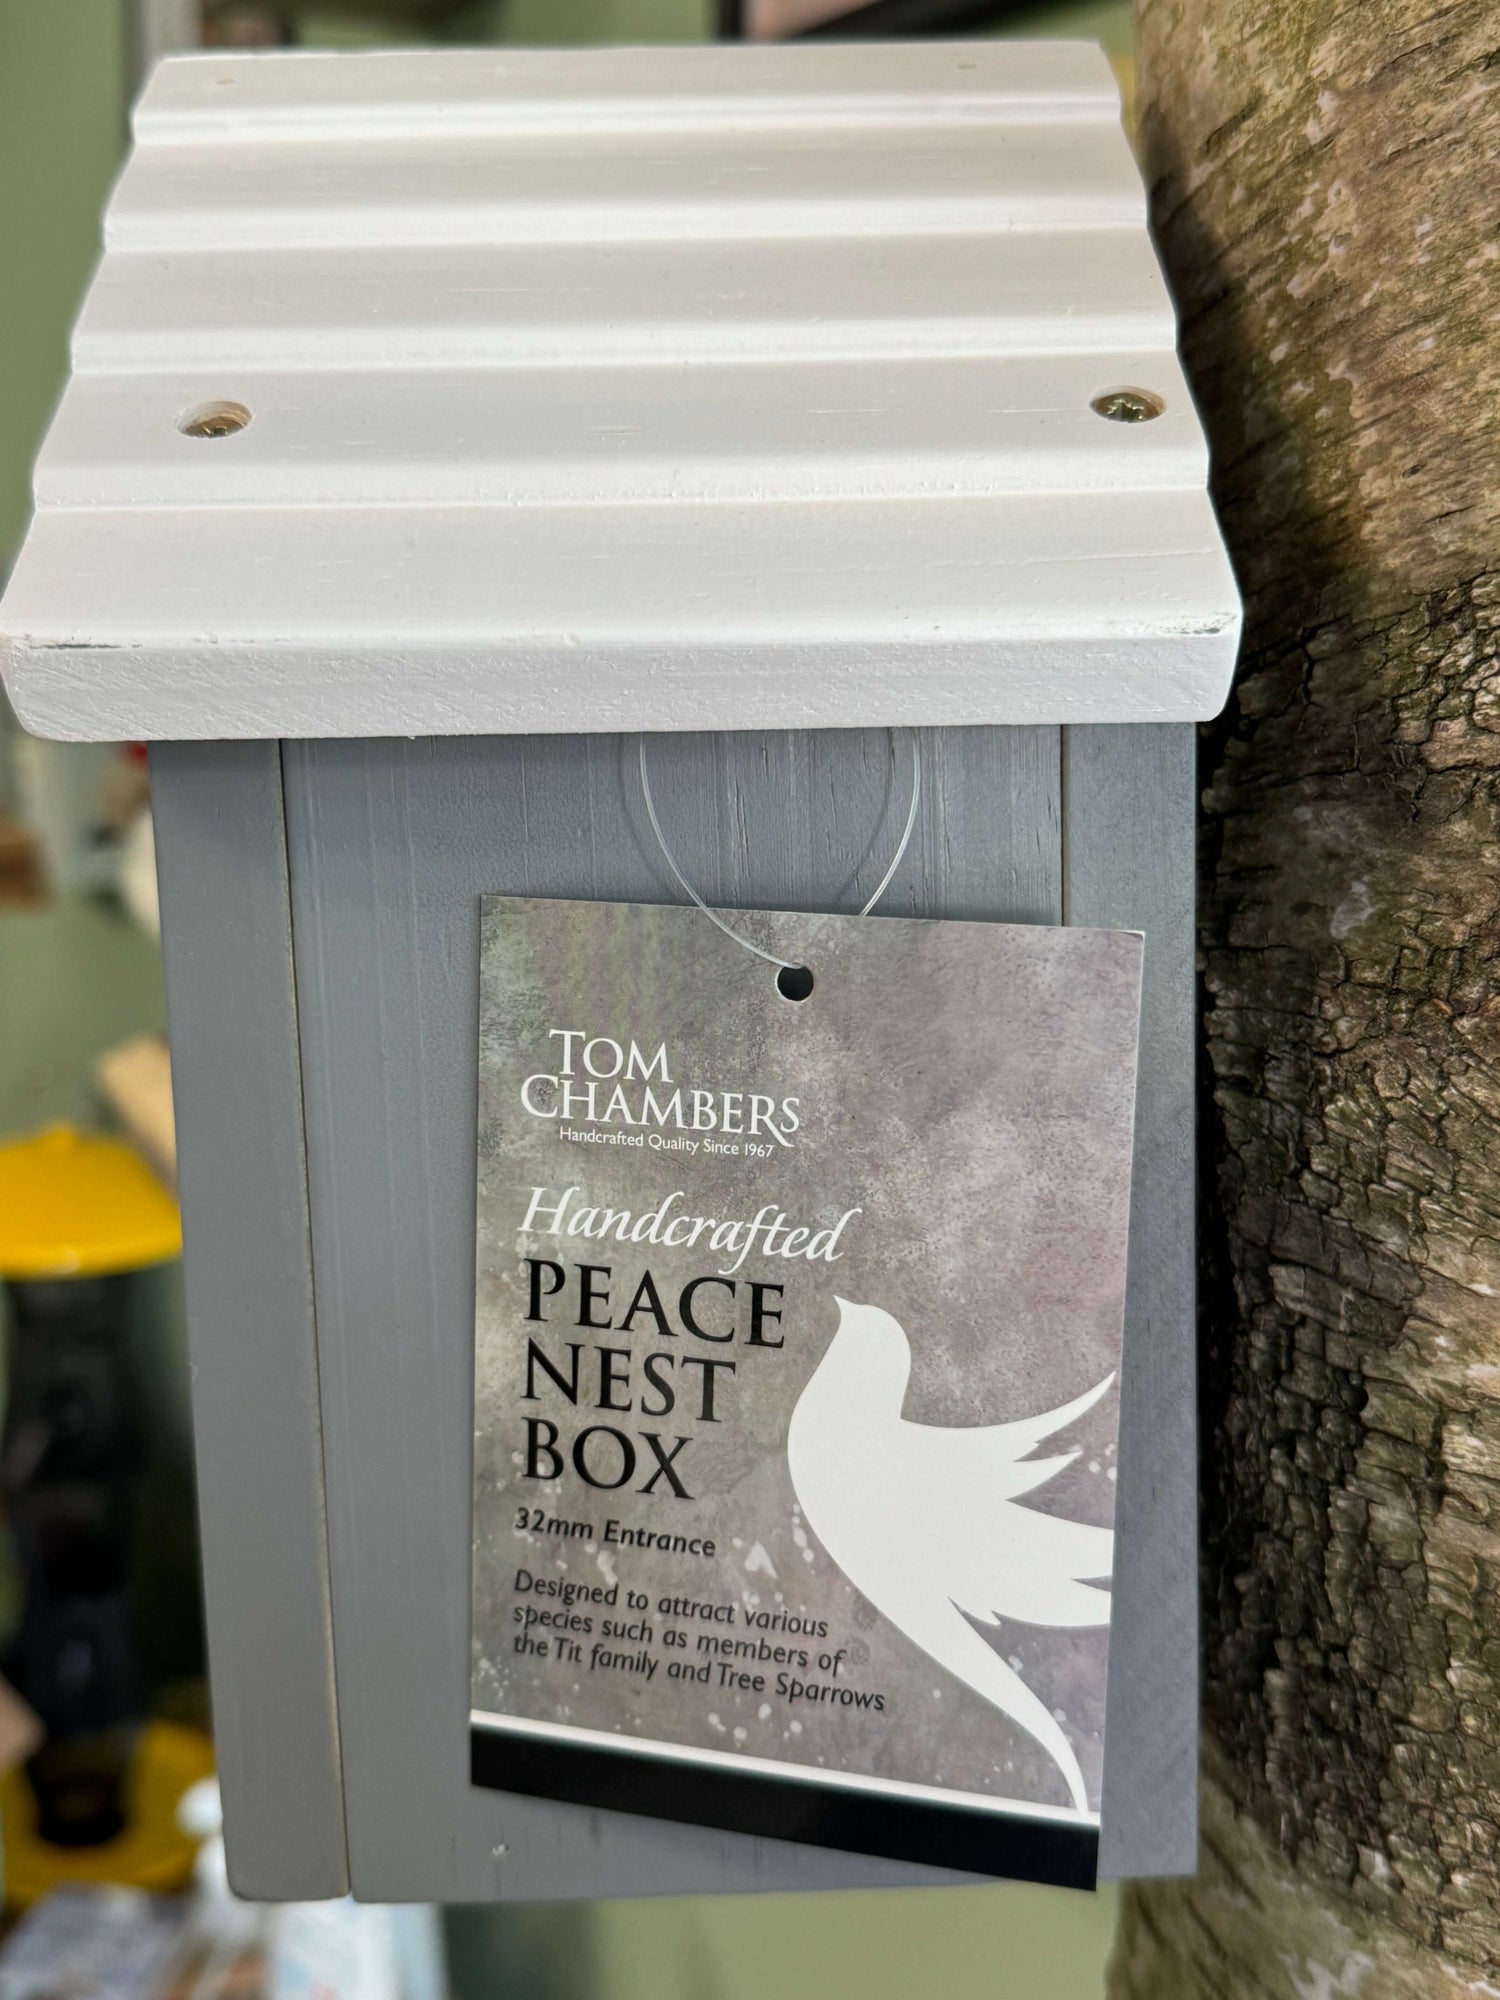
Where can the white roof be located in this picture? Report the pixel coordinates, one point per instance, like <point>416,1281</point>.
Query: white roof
<point>629,388</point>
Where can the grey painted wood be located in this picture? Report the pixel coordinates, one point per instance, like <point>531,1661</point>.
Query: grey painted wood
<point>1130,797</point>
<point>226,930</point>
<point>391,843</point>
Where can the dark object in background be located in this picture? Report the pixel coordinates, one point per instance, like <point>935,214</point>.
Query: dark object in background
<point>80,1214</point>
<point>265,24</point>
<point>20,866</point>
<point>244,24</point>
<point>71,1450</point>
<point>876,20</point>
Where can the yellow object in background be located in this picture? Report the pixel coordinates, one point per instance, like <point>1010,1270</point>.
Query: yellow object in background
<point>152,1851</point>
<point>81,1205</point>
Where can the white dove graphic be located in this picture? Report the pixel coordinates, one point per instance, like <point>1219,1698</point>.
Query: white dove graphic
<point>924,1520</point>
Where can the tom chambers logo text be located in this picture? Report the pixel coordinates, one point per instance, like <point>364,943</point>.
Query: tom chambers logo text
<point>599,1081</point>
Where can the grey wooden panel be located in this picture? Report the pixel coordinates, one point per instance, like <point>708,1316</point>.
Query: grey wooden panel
<point>391,843</point>
<point>226,929</point>
<point>1128,845</point>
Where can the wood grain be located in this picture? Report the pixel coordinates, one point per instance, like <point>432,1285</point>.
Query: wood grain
<point>1129,797</point>
<point>226,934</point>
<point>391,845</point>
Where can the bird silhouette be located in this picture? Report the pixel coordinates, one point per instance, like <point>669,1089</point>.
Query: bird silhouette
<point>923,1520</point>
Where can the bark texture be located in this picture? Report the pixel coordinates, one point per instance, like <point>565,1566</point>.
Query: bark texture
<point>1324,177</point>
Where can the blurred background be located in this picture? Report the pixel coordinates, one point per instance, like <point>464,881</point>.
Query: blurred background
<point>112,1875</point>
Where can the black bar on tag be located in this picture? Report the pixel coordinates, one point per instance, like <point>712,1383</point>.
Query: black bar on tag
<point>934,1836</point>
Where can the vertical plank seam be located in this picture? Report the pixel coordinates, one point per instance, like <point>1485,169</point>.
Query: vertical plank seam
<point>312,1267</point>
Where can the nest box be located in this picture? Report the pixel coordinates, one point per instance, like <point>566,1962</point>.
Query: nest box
<point>437,423</point>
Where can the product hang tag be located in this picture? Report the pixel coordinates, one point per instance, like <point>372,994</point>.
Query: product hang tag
<point>797,1342</point>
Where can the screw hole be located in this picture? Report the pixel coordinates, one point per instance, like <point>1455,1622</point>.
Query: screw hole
<point>1128,406</point>
<point>794,982</point>
<point>214,420</point>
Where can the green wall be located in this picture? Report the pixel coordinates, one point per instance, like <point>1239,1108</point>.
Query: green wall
<point>62,131</point>
<point>1003,1943</point>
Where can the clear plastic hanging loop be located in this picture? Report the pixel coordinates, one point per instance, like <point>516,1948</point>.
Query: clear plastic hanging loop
<point>786,964</point>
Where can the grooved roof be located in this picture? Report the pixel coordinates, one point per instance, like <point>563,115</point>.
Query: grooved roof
<point>684,388</point>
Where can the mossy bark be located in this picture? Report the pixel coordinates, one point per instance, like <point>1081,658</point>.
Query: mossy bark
<point>1323,180</point>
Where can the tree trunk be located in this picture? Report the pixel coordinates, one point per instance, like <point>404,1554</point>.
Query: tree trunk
<point>1324,182</point>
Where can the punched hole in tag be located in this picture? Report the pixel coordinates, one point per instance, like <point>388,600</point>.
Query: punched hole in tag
<point>794,982</point>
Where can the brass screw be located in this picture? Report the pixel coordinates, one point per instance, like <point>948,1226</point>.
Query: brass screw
<point>214,420</point>
<point>1128,406</point>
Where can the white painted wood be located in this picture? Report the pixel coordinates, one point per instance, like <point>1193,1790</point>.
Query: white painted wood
<point>1084,291</point>
<point>433,91</point>
<point>722,180</point>
<point>730,617</point>
<point>537,436</point>
<point>691,388</point>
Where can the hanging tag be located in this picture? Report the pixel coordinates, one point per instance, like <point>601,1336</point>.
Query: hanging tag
<point>797,1336</point>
